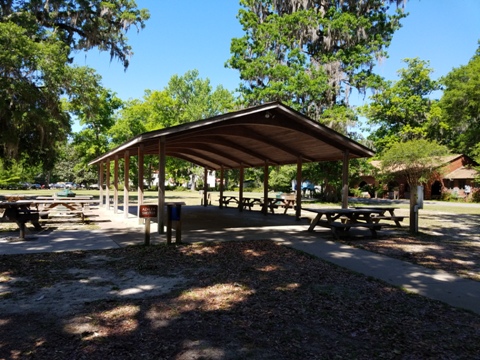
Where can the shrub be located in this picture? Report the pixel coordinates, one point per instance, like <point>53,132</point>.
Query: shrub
<point>446,196</point>
<point>356,192</point>
<point>476,196</point>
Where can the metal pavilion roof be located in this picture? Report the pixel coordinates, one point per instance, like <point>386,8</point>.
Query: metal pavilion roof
<point>271,133</point>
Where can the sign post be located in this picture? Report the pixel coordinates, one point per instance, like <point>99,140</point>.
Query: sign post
<point>147,212</point>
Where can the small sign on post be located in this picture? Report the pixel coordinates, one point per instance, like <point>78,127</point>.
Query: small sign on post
<point>147,212</point>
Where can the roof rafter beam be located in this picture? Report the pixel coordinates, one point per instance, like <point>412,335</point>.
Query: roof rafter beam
<point>333,138</point>
<point>194,155</point>
<point>208,149</point>
<point>192,160</point>
<point>249,134</point>
<point>221,140</point>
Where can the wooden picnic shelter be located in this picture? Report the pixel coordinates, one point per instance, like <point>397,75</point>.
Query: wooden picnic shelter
<point>259,136</point>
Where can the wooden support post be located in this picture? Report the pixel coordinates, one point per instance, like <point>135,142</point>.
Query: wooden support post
<point>346,157</point>
<point>140,181</point>
<point>169,225</point>
<point>205,187</point>
<point>100,180</point>
<point>222,181</point>
<point>147,231</point>
<point>107,185</point>
<point>115,186</point>
<point>298,199</point>
<point>161,185</point>
<point>265,188</point>
<point>240,191</point>
<point>126,180</point>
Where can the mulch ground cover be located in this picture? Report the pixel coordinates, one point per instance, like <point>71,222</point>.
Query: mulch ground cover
<point>232,300</point>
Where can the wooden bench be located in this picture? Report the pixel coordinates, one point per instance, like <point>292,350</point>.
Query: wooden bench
<point>21,215</point>
<point>248,202</point>
<point>59,212</point>
<point>345,219</point>
<point>60,198</point>
<point>346,226</point>
<point>284,201</point>
<point>386,213</point>
<point>64,207</point>
<point>396,219</point>
<point>225,200</point>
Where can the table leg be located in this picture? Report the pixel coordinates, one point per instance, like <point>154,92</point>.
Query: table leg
<point>21,225</point>
<point>392,214</point>
<point>334,232</point>
<point>178,232</point>
<point>169,225</point>
<point>314,222</point>
<point>37,225</point>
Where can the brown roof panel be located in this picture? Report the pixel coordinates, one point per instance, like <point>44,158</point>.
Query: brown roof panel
<point>462,173</point>
<point>272,133</point>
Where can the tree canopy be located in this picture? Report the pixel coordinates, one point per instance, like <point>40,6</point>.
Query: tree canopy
<point>186,98</point>
<point>416,160</point>
<point>310,54</point>
<point>460,107</point>
<point>96,115</point>
<point>402,110</point>
<point>37,41</point>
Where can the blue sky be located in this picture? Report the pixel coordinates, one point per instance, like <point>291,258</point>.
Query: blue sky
<point>183,35</point>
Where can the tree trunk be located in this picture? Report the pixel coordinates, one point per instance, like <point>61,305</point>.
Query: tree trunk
<point>413,210</point>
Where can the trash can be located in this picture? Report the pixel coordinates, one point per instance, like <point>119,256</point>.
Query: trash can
<point>66,193</point>
<point>174,210</point>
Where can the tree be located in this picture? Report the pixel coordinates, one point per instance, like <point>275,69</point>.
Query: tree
<point>65,166</point>
<point>416,160</point>
<point>185,99</point>
<point>310,54</point>
<point>402,110</point>
<point>460,107</point>
<point>37,39</point>
<point>31,115</point>
<point>96,113</point>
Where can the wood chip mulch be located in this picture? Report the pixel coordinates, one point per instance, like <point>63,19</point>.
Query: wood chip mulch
<point>239,300</point>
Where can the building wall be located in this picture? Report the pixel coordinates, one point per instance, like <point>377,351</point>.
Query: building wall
<point>403,188</point>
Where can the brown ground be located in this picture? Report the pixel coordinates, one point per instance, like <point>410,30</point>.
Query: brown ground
<point>254,300</point>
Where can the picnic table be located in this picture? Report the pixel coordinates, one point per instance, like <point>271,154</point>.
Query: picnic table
<point>64,205</point>
<point>385,213</point>
<point>284,201</point>
<point>227,199</point>
<point>20,213</point>
<point>77,197</point>
<point>247,201</point>
<point>345,219</point>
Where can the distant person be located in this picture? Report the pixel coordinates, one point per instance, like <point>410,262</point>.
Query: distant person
<point>467,190</point>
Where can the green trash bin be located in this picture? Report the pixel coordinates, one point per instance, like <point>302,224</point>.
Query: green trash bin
<point>66,193</point>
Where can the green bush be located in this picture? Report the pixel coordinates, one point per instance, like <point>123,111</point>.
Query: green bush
<point>446,196</point>
<point>476,196</point>
<point>356,192</point>
<point>380,193</point>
